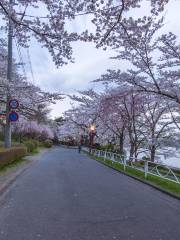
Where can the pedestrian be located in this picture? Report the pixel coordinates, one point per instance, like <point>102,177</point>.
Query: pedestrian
<point>79,148</point>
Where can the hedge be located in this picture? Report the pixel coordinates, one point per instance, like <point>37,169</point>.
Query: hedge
<point>8,156</point>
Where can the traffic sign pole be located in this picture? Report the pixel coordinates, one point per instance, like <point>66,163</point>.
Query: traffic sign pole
<point>8,141</point>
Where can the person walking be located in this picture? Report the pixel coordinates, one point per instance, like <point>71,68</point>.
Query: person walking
<point>79,148</point>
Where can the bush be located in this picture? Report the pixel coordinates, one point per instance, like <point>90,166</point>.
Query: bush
<point>36,143</point>
<point>8,156</point>
<point>31,145</point>
<point>97,146</point>
<point>47,144</point>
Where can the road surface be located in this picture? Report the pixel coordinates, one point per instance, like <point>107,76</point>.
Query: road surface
<point>67,196</point>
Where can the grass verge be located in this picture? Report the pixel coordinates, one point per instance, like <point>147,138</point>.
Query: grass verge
<point>156,181</point>
<point>12,165</point>
<point>34,151</point>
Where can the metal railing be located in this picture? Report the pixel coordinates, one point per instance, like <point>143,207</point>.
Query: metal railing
<point>147,167</point>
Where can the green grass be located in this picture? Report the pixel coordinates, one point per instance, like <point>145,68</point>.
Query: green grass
<point>12,165</point>
<point>167,185</point>
<point>34,152</point>
<point>155,180</point>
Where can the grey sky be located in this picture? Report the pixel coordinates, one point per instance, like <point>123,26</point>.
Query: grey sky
<point>90,62</point>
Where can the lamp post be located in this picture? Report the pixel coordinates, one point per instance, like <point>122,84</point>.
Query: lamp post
<point>92,133</point>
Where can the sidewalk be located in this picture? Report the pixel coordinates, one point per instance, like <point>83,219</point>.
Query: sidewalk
<point>8,176</point>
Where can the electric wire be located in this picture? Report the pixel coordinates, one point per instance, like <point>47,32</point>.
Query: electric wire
<point>30,65</point>
<point>20,58</point>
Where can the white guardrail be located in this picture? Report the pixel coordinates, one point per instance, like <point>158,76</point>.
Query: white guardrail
<point>147,167</point>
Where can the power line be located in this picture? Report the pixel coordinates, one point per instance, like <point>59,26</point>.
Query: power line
<point>20,57</point>
<point>30,65</point>
<point>53,17</point>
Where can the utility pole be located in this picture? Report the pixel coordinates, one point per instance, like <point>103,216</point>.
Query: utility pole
<point>9,78</point>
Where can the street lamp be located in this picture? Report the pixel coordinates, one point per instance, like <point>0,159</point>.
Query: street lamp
<point>92,133</point>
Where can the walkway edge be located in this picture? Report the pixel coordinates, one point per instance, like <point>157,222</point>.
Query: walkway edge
<point>138,179</point>
<point>13,178</point>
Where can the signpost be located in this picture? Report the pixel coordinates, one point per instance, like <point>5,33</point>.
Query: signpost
<point>2,119</point>
<point>12,115</point>
<point>2,108</point>
<point>3,101</point>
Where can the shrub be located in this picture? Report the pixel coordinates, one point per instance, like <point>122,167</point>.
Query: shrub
<point>8,156</point>
<point>31,145</point>
<point>48,143</point>
<point>97,146</point>
<point>36,143</point>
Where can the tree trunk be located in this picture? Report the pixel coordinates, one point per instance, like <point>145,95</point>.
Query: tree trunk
<point>121,144</point>
<point>131,151</point>
<point>153,151</point>
<point>136,153</point>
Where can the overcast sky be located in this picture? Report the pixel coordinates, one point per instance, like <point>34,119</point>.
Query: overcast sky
<point>90,63</point>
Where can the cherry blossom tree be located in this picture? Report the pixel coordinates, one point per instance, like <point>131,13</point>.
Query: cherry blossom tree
<point>86,114</point>
<point>34,103</point>
<point>111,112</point>
<point>153,59</point>
<point>141,120</point>
<point>31,129</point>
<point>112,116</point>
<point>50,19</point>
<point>156,122</point>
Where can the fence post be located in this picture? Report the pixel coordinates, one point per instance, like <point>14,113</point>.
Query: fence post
<point>104,155</point>
<point>99,153</point>
<point>112,157</point>
<point>146,169</point>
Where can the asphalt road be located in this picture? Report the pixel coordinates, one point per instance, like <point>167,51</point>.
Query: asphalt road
<point>67,196</point>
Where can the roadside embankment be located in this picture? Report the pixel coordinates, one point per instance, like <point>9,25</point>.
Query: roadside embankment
<point>163,185</point>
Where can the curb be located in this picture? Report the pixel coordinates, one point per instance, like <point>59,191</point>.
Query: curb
<point>140,180</point>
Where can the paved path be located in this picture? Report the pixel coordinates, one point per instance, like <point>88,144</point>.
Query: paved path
<point>67,196</point>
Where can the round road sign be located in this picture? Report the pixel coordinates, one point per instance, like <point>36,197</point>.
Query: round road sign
<point>13,104</point>
<point>13,116</point>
